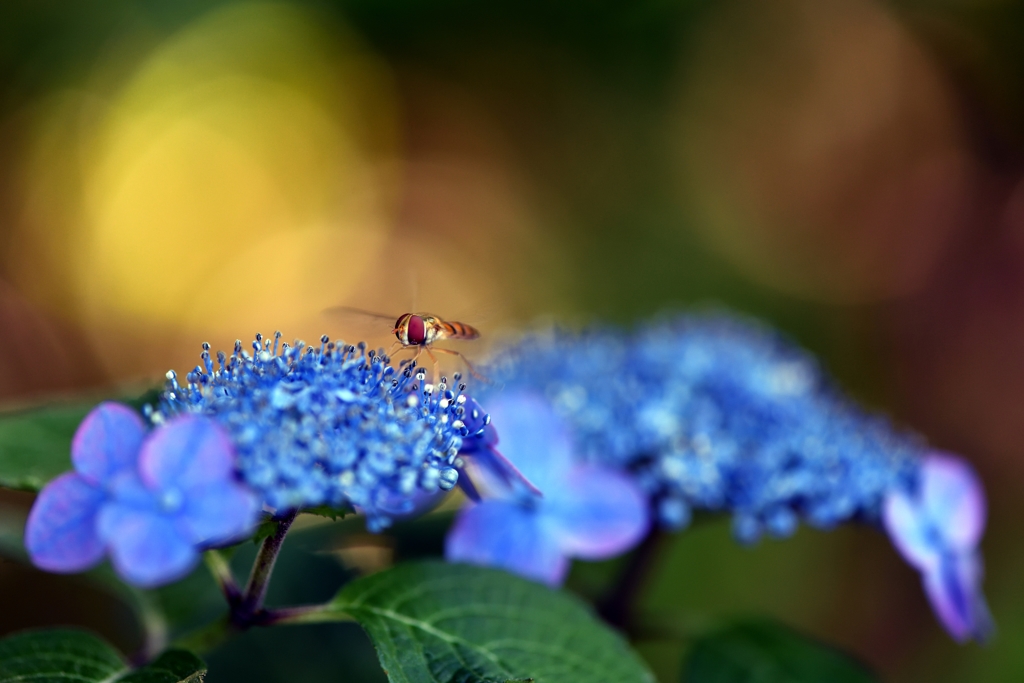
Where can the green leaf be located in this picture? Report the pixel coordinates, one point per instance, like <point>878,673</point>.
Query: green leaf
<point>69,656</point>
<point>327,511</point>
<point>761,651</point>
<point>444,623</point>
<point>35,444</point>
<point>173,666</point>
<point>464,676</point>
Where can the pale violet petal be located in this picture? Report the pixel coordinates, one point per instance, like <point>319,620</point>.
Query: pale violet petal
<point>107,442</point>
<point>910,531</point>
<point>953,499</point>
<point>60,535</point>
<point>532,437</point>
<point>597,513</point>
<point>146,547</point>
<point>498,475</point>
<point>218,513</point>
<point>502,534</point>
<point>954,591</point>
<point>188,451</point>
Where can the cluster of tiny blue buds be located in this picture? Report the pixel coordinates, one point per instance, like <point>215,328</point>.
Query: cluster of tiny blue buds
<point>714,412</point>
<point>335,425</point>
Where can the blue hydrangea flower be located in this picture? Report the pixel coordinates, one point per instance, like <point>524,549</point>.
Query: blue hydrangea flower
<point>333,425</point>
<point>937,525</point>
<point>585,510</point>
<point>713,412</point>
<point>152,500</point>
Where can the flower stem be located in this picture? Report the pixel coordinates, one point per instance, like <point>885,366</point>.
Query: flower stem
<point>221,572</point>
<point>303,614</point>
<point>618,606</point>
<point>246,610</point>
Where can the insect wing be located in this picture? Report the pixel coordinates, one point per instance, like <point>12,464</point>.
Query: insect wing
<point>352,312</point>
<point>358,323</point>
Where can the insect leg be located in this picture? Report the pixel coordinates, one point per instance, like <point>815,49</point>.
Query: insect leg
<point>403,348</point>
<point>419,350</point>
<point>437,367</point>
<point>394,349</point>
<point>469,366</point>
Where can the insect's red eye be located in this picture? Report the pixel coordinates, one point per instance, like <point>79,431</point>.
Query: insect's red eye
<point>417,331</point>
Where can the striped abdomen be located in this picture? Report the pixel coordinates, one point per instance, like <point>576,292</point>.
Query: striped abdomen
<point>457,330</point>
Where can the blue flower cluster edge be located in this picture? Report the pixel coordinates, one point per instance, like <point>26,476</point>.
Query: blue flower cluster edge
<point>709,412</point>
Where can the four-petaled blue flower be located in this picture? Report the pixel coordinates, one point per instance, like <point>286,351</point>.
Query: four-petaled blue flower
<point>937,527</point>
<point>584,510</point>
<point>152,500</point>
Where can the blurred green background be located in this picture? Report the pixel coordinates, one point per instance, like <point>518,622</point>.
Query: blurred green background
<point>852,171</point>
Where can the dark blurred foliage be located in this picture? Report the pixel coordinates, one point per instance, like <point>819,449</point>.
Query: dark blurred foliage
<point>880,224</point>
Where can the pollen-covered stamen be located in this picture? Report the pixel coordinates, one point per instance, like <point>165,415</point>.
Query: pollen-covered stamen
<point>449,477</point>
<point>172,379</point>
<point>334,424</point>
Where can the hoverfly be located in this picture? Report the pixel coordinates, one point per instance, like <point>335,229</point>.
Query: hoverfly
<point>420,331</point>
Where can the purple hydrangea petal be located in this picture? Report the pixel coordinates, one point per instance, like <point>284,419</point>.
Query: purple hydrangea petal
<point>129,489</point>
<point>953,499</point>
<point>952,587</point>
<point>501,474</point>
<point>597,513</point>
<point>469,488</point>
<point>188,451</point>
<point>502,534</point>
<point>532,438</point>
<point>146,547</point>
<point>490,463</point>
<point>910,531</point>
<point>485,479</point>
<point>218,513</point>
<point>107,442</point>
<point>60,535</point>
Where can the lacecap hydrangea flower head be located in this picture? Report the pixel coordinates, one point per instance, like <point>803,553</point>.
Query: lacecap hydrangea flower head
<point>280,429</point>
<point>330,425</point>
<point>713,412</point>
